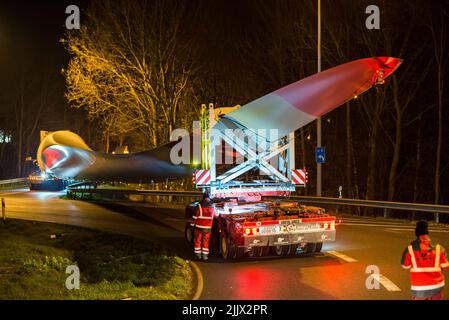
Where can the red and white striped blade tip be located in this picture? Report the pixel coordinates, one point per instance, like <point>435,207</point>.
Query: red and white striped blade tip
<point>299,103</point>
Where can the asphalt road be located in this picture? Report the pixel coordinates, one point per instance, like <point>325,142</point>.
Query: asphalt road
<point>340,272</point>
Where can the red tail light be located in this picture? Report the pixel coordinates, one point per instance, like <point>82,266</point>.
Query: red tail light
<point>251,231</point>
<point>328,225</point>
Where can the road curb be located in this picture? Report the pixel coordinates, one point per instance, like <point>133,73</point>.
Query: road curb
<point>200,281</point>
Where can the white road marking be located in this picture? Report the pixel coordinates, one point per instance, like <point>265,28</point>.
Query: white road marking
<point>173,219</point>
<point>388,284</point>
<point>392,227</point>
<point>372,225</point>
<point>342,256</point>
<point>412,229</point>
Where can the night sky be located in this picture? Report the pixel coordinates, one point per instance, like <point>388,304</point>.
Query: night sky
<point>29,45</point>
<point>31,30</point>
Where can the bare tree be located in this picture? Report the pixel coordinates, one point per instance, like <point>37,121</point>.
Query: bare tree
<point>133,61</point>
<point>439,35</point>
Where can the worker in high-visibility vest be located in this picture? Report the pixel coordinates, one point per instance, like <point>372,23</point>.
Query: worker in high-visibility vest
<point>203,221</point>
<point>426,263</point>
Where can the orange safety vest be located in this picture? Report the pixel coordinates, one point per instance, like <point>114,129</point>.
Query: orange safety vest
<point>425,263</point>
<point>204,218</point>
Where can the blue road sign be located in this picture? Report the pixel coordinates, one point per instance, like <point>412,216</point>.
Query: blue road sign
<point>320,155</point>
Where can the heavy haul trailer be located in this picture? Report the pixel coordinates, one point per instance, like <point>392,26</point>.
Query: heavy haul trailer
<point>270,227</point>
<point>254,216</point>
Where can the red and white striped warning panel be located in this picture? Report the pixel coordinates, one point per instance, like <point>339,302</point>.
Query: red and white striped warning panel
<point>299,176</point>
<point>202,177</point>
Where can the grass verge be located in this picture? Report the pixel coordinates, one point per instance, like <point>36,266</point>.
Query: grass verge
<point>34,257</point>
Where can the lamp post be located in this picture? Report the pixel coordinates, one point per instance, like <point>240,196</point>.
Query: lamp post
<point>318,123</point>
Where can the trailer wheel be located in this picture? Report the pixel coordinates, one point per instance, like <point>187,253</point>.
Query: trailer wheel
<point>292,251</point>
<point>240,251</point>
<point>227,248</point>
<point>319,246</point>
<point>265,251</point>
<point>188,233</point>
<point>282,250</point>
<point>256,252</point>
<point>310,247</point>
<point>278,250</point>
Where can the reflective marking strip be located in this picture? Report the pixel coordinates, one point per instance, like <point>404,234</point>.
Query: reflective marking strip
<point>417,270</point>
<point>199,175</point>
<point>202,177</point>
<point>412,256</point>
<point>388,284</point>
<point>342,256</point>
<point>207,218</point>
<point>205,250</point>
<point>431,287</point>
<point>202,227</point>
<point>406,267</point>
<point>298,177</point>
<point>445,265</point>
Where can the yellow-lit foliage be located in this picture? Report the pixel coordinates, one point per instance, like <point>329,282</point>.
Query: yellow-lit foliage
<point>131,68</point>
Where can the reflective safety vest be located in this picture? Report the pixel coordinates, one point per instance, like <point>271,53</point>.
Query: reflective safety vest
<point>204,217</point>
<point>425,263</point>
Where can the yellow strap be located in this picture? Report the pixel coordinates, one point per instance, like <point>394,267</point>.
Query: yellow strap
<point>415,265</point>
<point>437,257</point>
<point>412,256</point>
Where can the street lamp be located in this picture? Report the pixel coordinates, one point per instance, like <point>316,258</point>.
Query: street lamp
<point>318,123</point>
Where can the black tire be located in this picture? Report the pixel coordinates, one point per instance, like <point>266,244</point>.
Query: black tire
<point>227,249</point>
<point>240,251</point>
<point>256,252</point>
<point>282,250</point>
<point>265,251</point>
<point>293,248</point>
<point>318,247</point>
<point>188,233</point>
<point>277,249</point>
<point>310,247</point>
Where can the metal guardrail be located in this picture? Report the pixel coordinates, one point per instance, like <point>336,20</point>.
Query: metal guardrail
<point>138,192</point>
<point>375,204</point>
<point>73,191</point>
<point>13,182</point>
<point>305,199</point>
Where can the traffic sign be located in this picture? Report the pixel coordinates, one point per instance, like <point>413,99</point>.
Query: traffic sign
<point>320,155</point>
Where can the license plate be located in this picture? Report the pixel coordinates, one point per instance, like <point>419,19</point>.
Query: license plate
<point>307,227</point>
<point>289,228</point>
<point>269,229</point>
